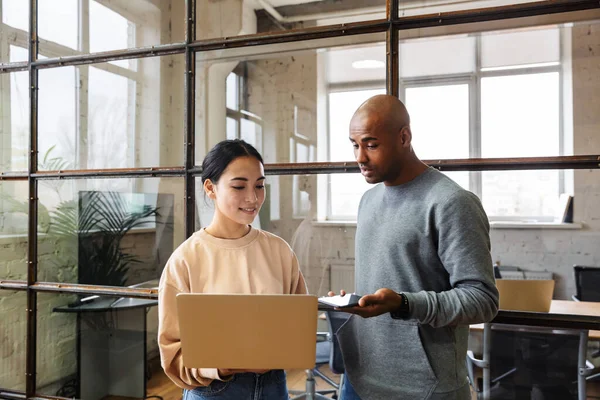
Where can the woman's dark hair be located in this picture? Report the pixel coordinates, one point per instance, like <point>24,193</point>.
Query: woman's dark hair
<point>220,156</point>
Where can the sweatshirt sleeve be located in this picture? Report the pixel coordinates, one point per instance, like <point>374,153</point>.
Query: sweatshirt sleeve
<point>169,341</point>
<point>464,250</point>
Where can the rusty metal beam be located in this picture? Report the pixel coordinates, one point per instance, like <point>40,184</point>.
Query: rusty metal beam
<point>469,164</point>
<point>495,13</point>
<point>12,394</point>
<point>111,291</point>
<point>392,46</point>
<point>13,285</point>
<point>94,58</point>
<point>14,176</point>
<point>111,173</point>
<point>31,341</point>
<point>14,67</point>
<point>189,151</point>
<point>294,35</point>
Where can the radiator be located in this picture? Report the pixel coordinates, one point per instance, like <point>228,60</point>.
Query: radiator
<point>341,277</point>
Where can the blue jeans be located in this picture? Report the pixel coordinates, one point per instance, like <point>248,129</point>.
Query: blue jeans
<point>348,392</point>
<point>248,386</point>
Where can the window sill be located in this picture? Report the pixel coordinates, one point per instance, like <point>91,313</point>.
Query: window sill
<point>335,224</point>
<point>534,225</point>
<point>12,238</point>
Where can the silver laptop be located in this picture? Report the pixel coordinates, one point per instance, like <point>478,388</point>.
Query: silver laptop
<point>240,331</point>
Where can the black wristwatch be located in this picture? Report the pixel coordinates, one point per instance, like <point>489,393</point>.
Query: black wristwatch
<point>402,312</point>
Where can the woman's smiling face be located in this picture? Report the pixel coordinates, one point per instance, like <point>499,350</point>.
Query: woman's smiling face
<point>240,192</point>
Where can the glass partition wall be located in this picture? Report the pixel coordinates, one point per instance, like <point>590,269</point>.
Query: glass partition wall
<point>107,109</point>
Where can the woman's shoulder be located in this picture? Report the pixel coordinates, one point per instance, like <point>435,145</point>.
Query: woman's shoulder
<point>272,239</point>
<point>190,246</point>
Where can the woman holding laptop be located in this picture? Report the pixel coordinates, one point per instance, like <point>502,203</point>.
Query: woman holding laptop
<point>228,256</point>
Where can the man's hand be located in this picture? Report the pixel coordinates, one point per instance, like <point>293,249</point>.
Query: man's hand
<point>371,305</point>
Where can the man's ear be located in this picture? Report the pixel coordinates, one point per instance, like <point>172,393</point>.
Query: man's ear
<point>406,136</point>
<point>209,189</point>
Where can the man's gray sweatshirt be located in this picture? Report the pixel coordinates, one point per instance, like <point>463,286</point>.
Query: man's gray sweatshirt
<point>429,239</point>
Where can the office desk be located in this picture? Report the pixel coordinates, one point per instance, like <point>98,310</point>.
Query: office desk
<point>111,347</point>
<point>582,317</point>
<point>568,307</point>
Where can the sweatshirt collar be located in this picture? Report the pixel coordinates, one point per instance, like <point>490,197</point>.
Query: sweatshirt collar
<point>229,243</point>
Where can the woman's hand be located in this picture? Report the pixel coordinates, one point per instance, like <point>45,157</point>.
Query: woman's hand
<point>225,372</point>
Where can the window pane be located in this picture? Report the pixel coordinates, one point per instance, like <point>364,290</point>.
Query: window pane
<point>443,56</point>
<point>232,18</point>
<point>83,216</point>
<point>527,194</point>
<point>110,121</point>
<point>251,133</point>
<point>16,14</point>
<point>232,128</point>
<point>102,349</point>
<point>109,25</point>
<point>13,331</point>
<point>356,64</point>
<point>531,130</point>
<point>342,106</point>
<point>57,118</point>
<point>285,95</point>
<point>410,8</point>
<point>14,30</point>
<point>346,189</point>
<point>58,24</point>
<point>109,31</point>
<point>536,46</point>
<point>14,213</point>
<point>520,115</point>
<point>447,134</point>
<point>18,53</point>
<point>112,118</point>
<point>14,122</point>
<point>232,90</point>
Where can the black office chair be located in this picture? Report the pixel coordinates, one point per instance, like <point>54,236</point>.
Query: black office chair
<point>587,283</point>
<point>587,286</point>
<point>328,352</point>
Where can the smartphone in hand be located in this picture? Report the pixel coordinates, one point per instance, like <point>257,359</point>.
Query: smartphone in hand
<point>349,300</point>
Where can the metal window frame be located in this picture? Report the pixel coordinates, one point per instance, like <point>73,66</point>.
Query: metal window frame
<point>193,49</point>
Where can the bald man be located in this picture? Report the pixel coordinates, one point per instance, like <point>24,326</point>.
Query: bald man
<point>423,264</point>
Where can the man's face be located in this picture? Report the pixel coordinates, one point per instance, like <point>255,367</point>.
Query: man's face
<point>378,152</point>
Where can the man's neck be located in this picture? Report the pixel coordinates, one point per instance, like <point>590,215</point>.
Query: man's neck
<point>410,171</point>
